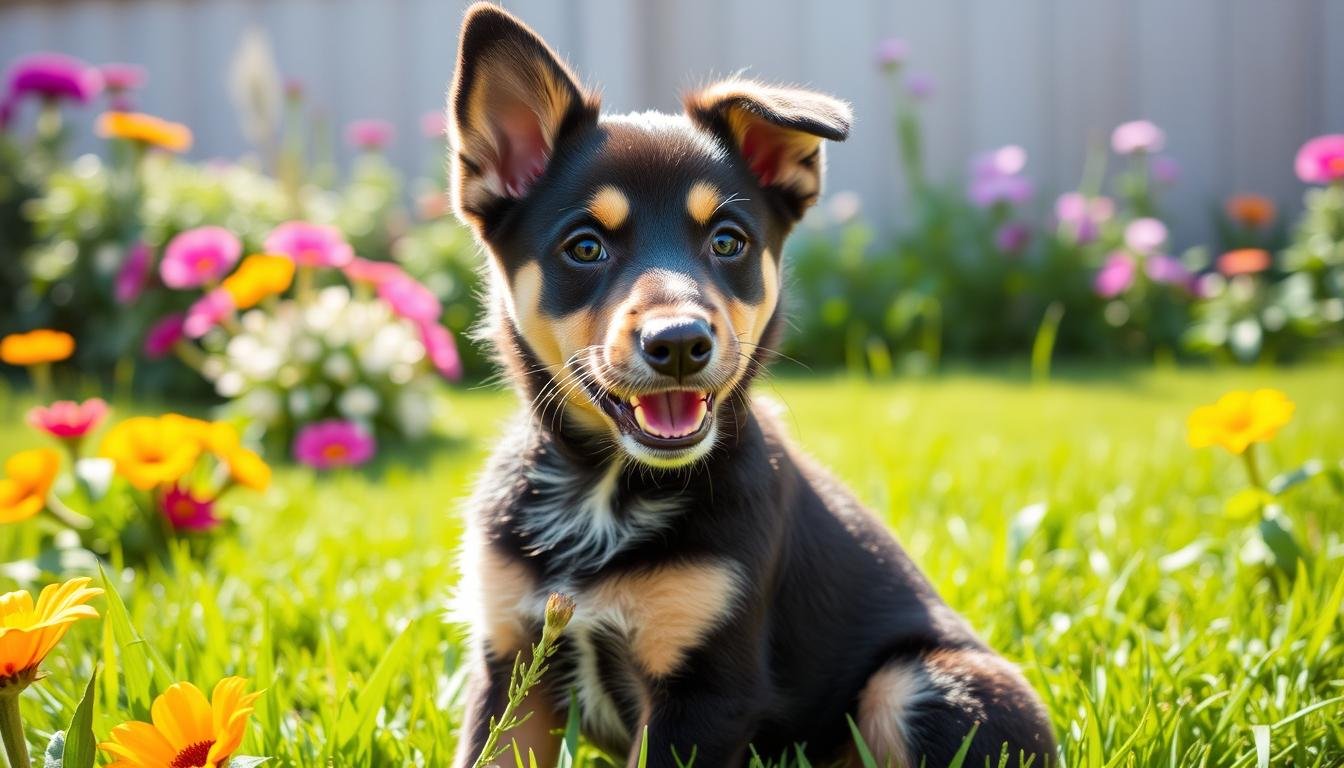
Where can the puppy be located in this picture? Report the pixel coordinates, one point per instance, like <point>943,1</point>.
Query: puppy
<point>731,595</point>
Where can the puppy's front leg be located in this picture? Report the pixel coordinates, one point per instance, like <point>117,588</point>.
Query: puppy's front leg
<point>715,725</point>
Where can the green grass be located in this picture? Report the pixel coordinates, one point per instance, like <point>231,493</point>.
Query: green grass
<point>1133,603</point>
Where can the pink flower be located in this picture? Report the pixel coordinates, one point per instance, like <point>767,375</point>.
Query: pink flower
<point>54,77</point>
<point>434,125</point>
<point>68,420</point>
<point>1165,170</point>
<point>411,300</point>
<point>1321,160</point>
<point>1008,160</point>
<point>1012,237</point>
<point>198,257</point>
<point>293,89</point>
<point>1162,268</point>
<point>1137,136</point>
<point>441,350</point>
<point>310,245</point>
<point>919,85</point>
<point>123,77</point>
<point>1082,216</point>
<point>369,135</point>
<point>334,443</point>
<point>164,335</point>
<point>372,272</point>
<point>208,312</point>
<point>988,191</point>
<point>1145,235</point>
<point>186,512</point>
<point>1115,276</point>
<point>134,273</point>
<point>892,52</point>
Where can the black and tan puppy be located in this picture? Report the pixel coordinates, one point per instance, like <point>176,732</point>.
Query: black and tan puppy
<point>731,595</point>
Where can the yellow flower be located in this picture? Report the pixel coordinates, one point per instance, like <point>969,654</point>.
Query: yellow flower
<point>1239,419</point>
<point>27,481</point>
<point>36,347</point>
<point>188,731</point>
<point>150,452</point>
<point>28,632</point>
<point>258,276</point>
<point>248,469</point>
<point>134,126</point>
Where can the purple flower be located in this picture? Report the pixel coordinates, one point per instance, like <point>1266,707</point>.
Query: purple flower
<point>134,273</point>
<point>164,335</point>
<point>1165,269</point>
<point>55,77</point>
<point>441,350</point>
<point>1115,276</point>
<point>199,256</point>
<point>208,312</point>
<point>334,443</point>
<point>1012,238</point>
<point>369,135</point>
<point>1145,235</point>
<point>123,77</point>
<point>1321,160</point>
<point>1008,160</point>
<point>892,52</point>
<point>919,85</point>
<point>434,125</point>
<point>988,191</point>
<point>1166,170</point>
<point>409,299</point>
<point>1137,136</point>
<point>310,245</point>
<point>1082,216</point>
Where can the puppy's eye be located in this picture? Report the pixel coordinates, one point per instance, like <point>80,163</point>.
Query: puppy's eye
<point>726,243</point>
<point>586,250</point>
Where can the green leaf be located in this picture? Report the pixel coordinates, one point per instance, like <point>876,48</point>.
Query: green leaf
<point>861,746</point>
<point>80,744</point>
<point>134,661</point>
<point>960,758</point>
<point>1261,736</point>
<point>643,749</point>
<point>357,723</point>
<point>1288,480</point>
<point>1278,537</point>
<point>246,761</point>
<point>1246,504</point>
<point>53,756</point>
<point>569,748</point>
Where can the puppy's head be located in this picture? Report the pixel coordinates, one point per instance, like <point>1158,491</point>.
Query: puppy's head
<point>635,259</point>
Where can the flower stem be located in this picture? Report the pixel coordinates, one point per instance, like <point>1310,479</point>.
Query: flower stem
<point>11,730</point>
<point>1252,469</point>
<point>41,375</point>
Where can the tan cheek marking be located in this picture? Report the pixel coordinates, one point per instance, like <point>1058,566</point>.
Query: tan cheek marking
<point>671,609</point>
<point>702,201</point>
<point>610,207</point>
<point>749,320</point>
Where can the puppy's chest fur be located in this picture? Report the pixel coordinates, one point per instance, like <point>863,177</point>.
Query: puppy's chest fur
<point>560,529</point>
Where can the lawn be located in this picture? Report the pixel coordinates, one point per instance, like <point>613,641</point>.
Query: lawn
<point>1136,605</point>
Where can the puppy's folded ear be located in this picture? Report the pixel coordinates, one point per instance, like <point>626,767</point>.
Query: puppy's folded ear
<point>511,104</point>
<point>777,130</point>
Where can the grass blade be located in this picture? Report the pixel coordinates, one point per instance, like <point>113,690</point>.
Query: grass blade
<point>80,744</point>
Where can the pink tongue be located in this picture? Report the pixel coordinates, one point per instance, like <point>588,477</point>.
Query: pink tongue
<point>672,413</point>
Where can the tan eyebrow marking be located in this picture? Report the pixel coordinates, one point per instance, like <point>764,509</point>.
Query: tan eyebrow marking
<point>702,201</point>
<point>609,206</point>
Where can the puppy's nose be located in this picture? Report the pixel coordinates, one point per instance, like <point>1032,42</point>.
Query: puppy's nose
<point>676,346</point>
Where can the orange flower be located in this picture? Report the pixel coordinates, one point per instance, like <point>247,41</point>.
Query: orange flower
<point>1239,419</point>
<point>36,347</point>
<point>150,452</point>
<point>147,129</point>
<point>188,731</point>
<point>260,275</point>
<point>1244,261</point>
<point>28,479</point>
<point>1250,211</point>
<point>28,632</point>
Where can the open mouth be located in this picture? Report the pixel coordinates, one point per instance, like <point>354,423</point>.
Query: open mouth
<point>672,419</point>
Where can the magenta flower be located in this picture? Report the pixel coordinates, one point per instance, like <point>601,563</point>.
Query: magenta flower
<point>411,300</point>
<point>372,272</point>
<point>1082,216</point>
<point>1321,160</point>
<point>134,273</point>
<point>988,191</point>
<point>54,77</point>
<point>1012,238</point>
<point>369,135</point>
<point>310,245</point>
<point>67,419</point>
<point>1137,136</point>
<point>164,335</point>
<point>186,512</point>
<point>1145,235</point>
<point>208,312</point>
<point>1115,276</point>
<point>1165,170</point>
<point>892,52</point>
<point>919,85</point>
<point>334,443</point>
<point>441,350</point>
<point>1161,268</point>
<point>199,257</point>
<point>434,125</point>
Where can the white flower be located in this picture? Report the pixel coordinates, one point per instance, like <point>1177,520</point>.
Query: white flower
<point>358,403</point>
<point>414,413</point>
<point>300,403</point>
<point>96,474</point>
<point>262,404</point>
<point>339,367</point>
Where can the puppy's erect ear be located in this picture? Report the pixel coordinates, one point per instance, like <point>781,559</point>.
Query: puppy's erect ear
<point>512,102</point>
<point>777,130</point>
